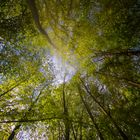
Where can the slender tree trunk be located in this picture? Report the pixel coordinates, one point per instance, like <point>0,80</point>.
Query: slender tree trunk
<point>124,136</point>
<point>81,132</point>
<point>81,127</point>
<point>75,137</point>
<point>59,131</point>
<point>11,137</point>
<point>66,115</point>
<point>91,116</point>
<point>35,15</point>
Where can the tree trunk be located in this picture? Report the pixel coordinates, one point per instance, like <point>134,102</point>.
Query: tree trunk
<point>75,137</point>
<point>91,116</point>
<point>35,15</point>
<point>66,115</point>
<point>106,112</point>
<point>11,137</point>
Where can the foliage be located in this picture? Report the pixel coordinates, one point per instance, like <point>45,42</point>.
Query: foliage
<point>99,39</point>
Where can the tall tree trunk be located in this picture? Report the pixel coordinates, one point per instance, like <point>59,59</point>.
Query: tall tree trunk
<point>124,136</point>
<point>11,137</point>
<point>59,131</point>
<point>35,15</point>
<point>91,116</point>
<point>81,127</point>
<point>74,135</point>
<point>81,132</point>
<point>66,115</point>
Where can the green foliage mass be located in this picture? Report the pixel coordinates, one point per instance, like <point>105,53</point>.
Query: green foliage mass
<point>100,39</point>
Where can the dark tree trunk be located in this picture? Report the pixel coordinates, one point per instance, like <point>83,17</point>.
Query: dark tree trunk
<point>35,15</point>
<point>106,112</point>
<point>11,137</point>
<point>91,116</point>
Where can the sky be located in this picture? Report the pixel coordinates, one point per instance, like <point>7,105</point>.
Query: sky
<point>62,68</point>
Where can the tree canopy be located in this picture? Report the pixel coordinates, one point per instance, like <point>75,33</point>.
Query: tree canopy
<point>95,92</point>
